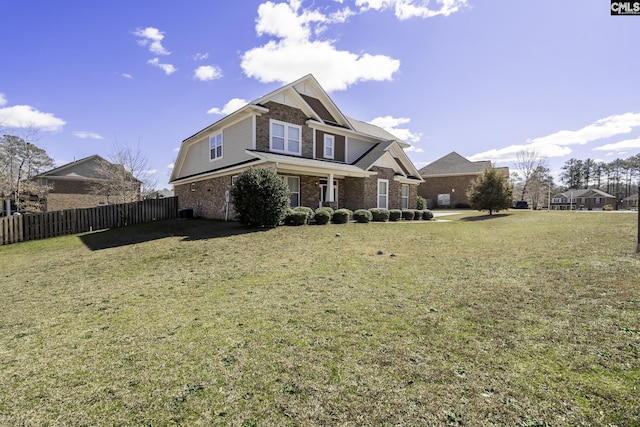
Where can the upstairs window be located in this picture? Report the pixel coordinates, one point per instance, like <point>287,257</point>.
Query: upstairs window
<point>329,142</point>
<point>215,146</point>
<point>285,138</point>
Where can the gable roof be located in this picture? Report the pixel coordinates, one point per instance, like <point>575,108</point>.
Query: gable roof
<point>87,168</point>
<point>452,164</point>
<point>583,192</point>
<point>307,95</point>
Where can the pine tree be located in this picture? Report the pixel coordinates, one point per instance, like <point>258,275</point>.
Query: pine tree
<point>490,192</point>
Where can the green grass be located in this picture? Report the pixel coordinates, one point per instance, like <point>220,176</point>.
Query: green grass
<point>524,319</point>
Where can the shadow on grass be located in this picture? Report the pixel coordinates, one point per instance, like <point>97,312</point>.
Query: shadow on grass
<point>189,229</point>
<point>484,217</point>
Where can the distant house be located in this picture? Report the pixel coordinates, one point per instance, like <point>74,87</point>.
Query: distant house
<point>160,194</point>
<point>447,180</point>
<point>84,183</point>
<point>630,202</point>
<point>325,157</point>
<point>583,199</point>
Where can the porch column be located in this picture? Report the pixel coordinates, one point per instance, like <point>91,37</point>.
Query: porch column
<point>330,189</point>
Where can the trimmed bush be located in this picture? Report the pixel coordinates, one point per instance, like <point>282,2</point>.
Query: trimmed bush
<point>308,211</point>
<point>417,214</point>
<point>322,216</point>
<point>362,216</point>
<point>342,216</point>
<point>326,208</point>
<point>408,214</point>
<point>395,215</point>
<point>421,203</point>
<point>260,198</point>
<point>294,217</point>
<point>427,215</point>
<point>379,215</point>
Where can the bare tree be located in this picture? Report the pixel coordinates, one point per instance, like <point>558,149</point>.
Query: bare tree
<point>527,163</point>
<point>126,177</point>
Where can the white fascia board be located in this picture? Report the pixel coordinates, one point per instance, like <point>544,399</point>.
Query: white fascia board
<point>405,180</point>
<point>222,172</point>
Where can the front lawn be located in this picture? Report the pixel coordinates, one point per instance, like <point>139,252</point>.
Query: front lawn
<point>522,319</point>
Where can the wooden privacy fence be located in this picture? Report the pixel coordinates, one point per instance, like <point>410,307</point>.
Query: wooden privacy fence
<point>71,221</point>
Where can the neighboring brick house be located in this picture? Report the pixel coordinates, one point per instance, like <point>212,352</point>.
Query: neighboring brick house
<point>584,199</point>
<point>325,157</point>
<point>447,180</point>
<point>75,185</point>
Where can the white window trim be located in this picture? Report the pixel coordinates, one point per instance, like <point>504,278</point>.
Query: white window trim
<point>211,138</point>
<point>286,137</point>
<point>285,178</point>
<point>386,206</point>
<point>332,139</point>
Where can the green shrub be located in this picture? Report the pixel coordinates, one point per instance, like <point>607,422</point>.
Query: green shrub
<point>294,217</point>
<point>421,203</point>
<point>379,214</point>
<point>326,208</point>
<point>322,216</point>
<point>308,211</point>
<point>427,214</point>
<point>417,214</point>
<point>260,198</point>
<point>362,216</point>
<point>395,214</point>
<point>408,214</point>
<point>607,208</point>
<point>342,216</point>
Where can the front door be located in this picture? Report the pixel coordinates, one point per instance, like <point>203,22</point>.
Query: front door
<point>324,186</point>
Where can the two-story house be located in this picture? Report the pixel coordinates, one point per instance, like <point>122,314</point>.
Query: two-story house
<point>325,157</point>
<point>88,182</point>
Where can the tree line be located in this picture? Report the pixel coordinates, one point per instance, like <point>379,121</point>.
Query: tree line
<point>618,177</point>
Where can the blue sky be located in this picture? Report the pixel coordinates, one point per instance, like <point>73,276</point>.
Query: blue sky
<point>484,78</point>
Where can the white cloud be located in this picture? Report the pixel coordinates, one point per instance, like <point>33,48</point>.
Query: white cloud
<point>335,69</point>
<point>557,144</point>
<point>405,9</point>
<point>603,128</point>
<point>150,171</point>
<point>152,37</point>
<point>390,124</point>
<point>82,134</point>
<point>200,56</point>
<point>628,144</point>
<point>170,165</point>
<point>231,106</point>
<point>25,116</point>
<point>3,99</point>
<point>127,76</point>
<point>296,52</point>
<point>167,68</point>
<point>207,72</point>
<point>510,153</point>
